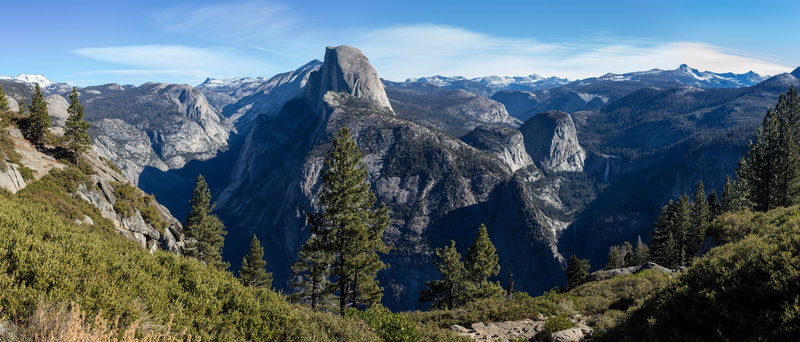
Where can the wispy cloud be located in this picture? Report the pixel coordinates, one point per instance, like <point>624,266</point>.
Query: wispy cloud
<point>422,50</point>
<point>190,62</point>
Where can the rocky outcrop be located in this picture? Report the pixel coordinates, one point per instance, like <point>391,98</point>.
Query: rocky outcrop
<point>505,143</point>
<point>57,107</point>
<point>552,142</point>
<point>101,194</point>
<point>606,274</point>
<point>12,104</point>
<point>347,70</point>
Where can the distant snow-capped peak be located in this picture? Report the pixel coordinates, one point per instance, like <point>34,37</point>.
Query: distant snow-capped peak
<point>31,79</point>
<point>236,82</point>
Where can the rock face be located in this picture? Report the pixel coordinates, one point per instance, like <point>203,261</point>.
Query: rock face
<point>606,274</point>
<point>552,142</point>
<point>126,146</point>
<point>347,70</point>
<point>505,143</point>
<point>57,109</point>
<point>177,121</point>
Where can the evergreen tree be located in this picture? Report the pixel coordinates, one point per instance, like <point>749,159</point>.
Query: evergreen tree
<point>204,231</point>
<point>642,252</point>
<point>443,292</point>
<point>3,100</point>
<point>616,259</point>
<point>481,263</point>
<point>627,254</point>
<point>39,120</point>
<point>664,248</point>
<point>701,217</point>
<point>253,271</point>
<point>311,270</point>
<point>24,110</point>
<point>75,129</point>
<point>349,229</point>
<point>787,172</point>
<point>577,272</point>
<point>714,205</point>
<point>682,230</point>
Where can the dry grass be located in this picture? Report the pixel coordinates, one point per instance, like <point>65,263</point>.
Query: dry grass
<point>68,323</point>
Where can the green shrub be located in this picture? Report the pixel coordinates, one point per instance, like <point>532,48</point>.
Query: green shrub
<point>391,327</point>
<point>44,259</point>
<point>744,290</point>
<point>555,324</point>
<point>113,166</point>
<point>26,172</point>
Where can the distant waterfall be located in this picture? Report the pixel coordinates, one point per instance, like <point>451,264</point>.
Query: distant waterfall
<point>605,174</point>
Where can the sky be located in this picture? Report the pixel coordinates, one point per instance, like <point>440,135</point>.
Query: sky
<point>132,42</point>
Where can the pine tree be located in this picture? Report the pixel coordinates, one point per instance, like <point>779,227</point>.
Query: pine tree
<point>3,100</point>
<point>664,249</point>
<point>615,258</point>
<point>443,292</point>
<point>24,110</point>
<point>310,281</point>
<point>204,231</point>
<point>39,119</point>
<point>349,229</point>
<point>577,272</point>
<point>787,165</point>
<point>701,217</point>
<point>253,271</point>
<point>642,252</point>
<point>75,129</point>
<point>682,230</point>
<point>714,205</point>
<point>481,263</point>
<point>627,254</point>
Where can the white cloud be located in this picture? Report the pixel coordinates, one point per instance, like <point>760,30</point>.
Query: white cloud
<point>190,62</point>
<point>423,50</point>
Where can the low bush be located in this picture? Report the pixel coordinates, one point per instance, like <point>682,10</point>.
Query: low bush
<point>391,327</point>
<point>130,199</point>
<point>555,324</point>
<point>26,172</point>
<point>46,260</point>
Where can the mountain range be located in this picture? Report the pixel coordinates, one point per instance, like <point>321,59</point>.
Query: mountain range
<point>552,167</point>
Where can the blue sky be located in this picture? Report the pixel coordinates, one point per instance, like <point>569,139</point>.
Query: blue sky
<point>131,42</point>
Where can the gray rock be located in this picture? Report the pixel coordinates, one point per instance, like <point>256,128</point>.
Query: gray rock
<point>57,107</point>
<point>12,104</point>
<point>459,329</point>
<point>11,179</point>
<point>347,70</point>
<point>606,274</point>
<point>569,335</point>
<point>552,142</point>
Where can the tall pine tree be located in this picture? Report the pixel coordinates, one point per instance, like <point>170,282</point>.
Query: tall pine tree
<point>310,282</point>
<point>577,272</point>
<point>481,263</point>
<point>349,229</point>
<point>3,100</point>
<point>205,233</point>
<point>75,129</point>
<point>445,291</point>
<point>253,271</point>
<point>701,217</point>
<point>664,250</point>
<point>39,120</point>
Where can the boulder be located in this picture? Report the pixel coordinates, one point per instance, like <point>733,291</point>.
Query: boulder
<point>569,335</point>
<point>57,107</point>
